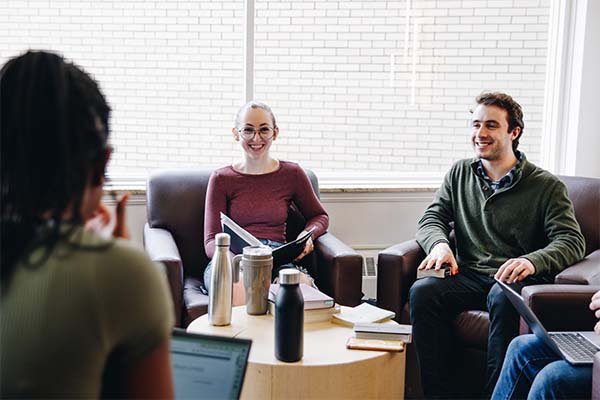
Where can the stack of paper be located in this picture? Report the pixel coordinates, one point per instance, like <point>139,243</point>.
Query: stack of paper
<point>363,313</point>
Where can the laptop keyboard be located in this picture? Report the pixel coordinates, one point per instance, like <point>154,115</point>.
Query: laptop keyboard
<point>575,345</point>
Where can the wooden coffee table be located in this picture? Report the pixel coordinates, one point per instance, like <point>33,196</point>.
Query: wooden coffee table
<point>327,370</point>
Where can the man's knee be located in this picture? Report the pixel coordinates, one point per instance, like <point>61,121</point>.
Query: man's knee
<point>556,380</point>
<point>423,294</point>
<point>522,345</point>
<point>497,300</point>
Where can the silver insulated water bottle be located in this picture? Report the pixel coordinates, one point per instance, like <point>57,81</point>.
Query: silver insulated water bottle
<point>221,283</point>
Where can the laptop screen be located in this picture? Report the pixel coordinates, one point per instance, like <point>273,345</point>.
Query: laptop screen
<point>532,321</point>
<point>211,367</point>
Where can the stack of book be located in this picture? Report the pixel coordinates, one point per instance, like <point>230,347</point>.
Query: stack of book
<point>436,273</point>
<point>318,306</point>
<point>383,331</point>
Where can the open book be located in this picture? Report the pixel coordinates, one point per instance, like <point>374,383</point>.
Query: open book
<point>363,313</point>
<point>241,238</point>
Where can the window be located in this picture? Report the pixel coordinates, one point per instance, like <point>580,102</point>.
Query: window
<point>357,86</point>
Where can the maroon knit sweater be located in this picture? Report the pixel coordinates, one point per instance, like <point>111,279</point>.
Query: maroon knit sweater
<point>259,203</point>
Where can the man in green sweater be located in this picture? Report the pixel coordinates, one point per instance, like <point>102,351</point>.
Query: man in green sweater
<point>513,221</point>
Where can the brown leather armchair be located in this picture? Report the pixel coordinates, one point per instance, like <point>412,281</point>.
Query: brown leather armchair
<point>396,272</point>
<point>174,235</point>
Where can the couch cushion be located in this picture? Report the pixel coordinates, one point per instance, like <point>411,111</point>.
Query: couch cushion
<point>472,328</point>
<point>196,303</point>
<point>585,196</point>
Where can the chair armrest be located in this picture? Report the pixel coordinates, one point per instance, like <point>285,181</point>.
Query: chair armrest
<point>596,378</point>
<point>585,272</point>
<point>340,269</point>
<point>561,307</point>
<point>396,272</point>
<point>161,247</point>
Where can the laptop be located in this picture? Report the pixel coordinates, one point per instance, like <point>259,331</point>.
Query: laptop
<point>209,367</point>
<point>578,348</point>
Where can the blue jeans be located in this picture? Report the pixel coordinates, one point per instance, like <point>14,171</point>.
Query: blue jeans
<point>532,370</point>
<point>434,303</point>
<point>274,273</point>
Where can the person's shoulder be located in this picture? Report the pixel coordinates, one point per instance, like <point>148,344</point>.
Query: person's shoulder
<point>223,177</point>
<point>224,171</point>
<point>122,257</point>
<point>289,166</point>
<point>461,166</point>
<point>109,259</point>
<point>464,163</point>
<point>538,175</point>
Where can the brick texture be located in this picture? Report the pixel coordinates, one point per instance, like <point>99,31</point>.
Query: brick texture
<point>355,85</point>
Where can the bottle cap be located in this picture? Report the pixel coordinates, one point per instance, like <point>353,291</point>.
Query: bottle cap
<point>289,276</point>
<point>222,239</point>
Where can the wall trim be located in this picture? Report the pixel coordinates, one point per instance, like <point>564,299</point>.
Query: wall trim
<point>329,198</point>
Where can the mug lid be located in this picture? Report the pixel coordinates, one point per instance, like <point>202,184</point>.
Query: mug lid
<point>258,252</point>
<point>289,276</point>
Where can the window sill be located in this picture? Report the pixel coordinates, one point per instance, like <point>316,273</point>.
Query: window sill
<point>328,183</point>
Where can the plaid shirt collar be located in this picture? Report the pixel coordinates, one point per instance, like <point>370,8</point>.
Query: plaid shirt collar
<point>506,180</point>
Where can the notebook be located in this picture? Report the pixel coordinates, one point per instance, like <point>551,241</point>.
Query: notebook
<point>211,367</point>
<point>578,348</point>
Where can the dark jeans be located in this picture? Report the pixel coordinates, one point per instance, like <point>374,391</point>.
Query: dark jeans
<point>434,303</point>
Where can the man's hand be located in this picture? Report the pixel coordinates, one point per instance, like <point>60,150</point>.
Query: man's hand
<point>439,255</point>
<point>308,247</point>
<point>515,270</point>
<point>595,306</point>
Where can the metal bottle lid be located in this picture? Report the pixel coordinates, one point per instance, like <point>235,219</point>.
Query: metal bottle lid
<point>222,239</point>
<point>289,276</point>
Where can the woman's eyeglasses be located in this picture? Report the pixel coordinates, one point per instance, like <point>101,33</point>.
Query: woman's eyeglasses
<point>265,133</point>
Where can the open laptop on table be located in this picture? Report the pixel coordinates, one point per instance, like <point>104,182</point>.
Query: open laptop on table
<point>575,347</point>
<point>209,367</point>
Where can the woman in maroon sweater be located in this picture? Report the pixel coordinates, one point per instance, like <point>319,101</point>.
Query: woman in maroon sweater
<point>257,190</point>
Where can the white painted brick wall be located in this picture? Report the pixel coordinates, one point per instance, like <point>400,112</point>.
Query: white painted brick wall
<point>463,48</point>
<point>173,73</point>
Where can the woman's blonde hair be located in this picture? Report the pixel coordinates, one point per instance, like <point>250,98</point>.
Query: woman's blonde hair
<point>254,104</point>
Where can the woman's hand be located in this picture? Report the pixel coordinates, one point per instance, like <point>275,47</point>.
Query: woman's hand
<point>102,219</point>
<point>308,247</point>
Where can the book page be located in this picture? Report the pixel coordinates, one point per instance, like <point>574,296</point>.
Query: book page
<point>240,237</point>
<point>364,312</point>
<point>289,251</point>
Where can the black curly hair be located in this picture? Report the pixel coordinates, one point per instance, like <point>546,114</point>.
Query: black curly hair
<point>53,143</point>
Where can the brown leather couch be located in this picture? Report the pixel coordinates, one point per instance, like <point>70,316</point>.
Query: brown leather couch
<point>396,272</point>
<point>174,235</point>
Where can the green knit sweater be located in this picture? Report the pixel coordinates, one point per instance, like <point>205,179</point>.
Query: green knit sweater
<point>531,218</point>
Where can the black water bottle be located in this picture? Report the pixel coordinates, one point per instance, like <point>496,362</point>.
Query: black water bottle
<point>289,317</point>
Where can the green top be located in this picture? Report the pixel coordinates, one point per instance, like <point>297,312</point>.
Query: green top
<point>61,320</point>
<point>531,218</point>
